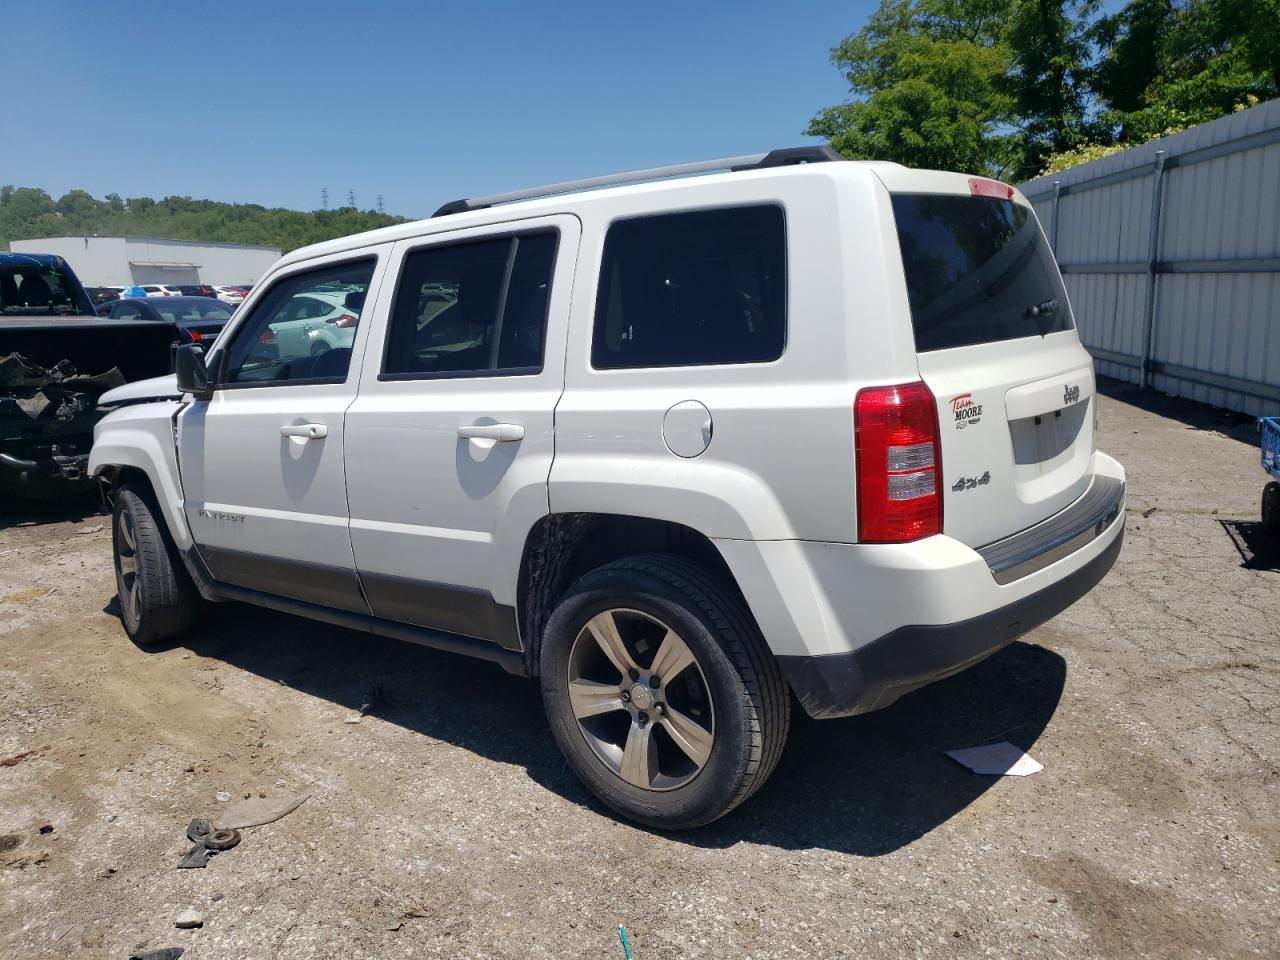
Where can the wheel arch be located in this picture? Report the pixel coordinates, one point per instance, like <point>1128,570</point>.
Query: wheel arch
<point>141,447</point>
<point>561,547</point>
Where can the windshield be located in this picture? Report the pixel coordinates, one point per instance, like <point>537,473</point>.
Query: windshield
<point>37,289</point>
<point>978,270</point>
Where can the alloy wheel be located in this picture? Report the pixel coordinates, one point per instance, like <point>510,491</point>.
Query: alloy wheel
<point>641,700</point>
<point>127,564</point>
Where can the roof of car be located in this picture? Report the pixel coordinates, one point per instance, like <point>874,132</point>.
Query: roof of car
<point>563,197</point>
<point>50,261</point>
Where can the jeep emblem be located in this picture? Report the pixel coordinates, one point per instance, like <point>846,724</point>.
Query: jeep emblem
<point>1070,394</point>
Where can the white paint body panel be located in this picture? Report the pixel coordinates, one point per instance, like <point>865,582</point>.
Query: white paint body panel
<point>141,437</point>
<point>427,504</point>
<point>253,491</point>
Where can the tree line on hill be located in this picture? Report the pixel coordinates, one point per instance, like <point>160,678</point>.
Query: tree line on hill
<point>27,212</point>
<point>1015,88</point>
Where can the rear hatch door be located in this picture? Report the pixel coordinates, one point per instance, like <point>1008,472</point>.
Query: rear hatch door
<point>997,346</point>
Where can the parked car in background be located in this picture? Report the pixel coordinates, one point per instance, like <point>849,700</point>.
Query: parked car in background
<point>56,357</point>
<point>232,295</point>
<point>162,290</point>
<point>314,324</point>
<point>198,290</point>
<point>199,319</point>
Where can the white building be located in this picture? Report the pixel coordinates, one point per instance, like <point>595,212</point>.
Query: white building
<point>119,261</point>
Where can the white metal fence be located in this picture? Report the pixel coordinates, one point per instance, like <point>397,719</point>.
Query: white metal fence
<point>1171,256</point>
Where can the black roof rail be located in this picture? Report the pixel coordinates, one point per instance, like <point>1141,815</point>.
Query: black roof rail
<point>785,157</point>
<point>790,156</point>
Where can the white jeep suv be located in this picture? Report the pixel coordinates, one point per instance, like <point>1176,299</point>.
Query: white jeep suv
<point>681,444</point>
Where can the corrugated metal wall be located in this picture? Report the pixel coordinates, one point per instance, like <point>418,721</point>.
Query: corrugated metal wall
<point>1171,256</point>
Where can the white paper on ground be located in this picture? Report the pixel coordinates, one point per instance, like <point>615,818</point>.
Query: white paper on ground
<point>1001,759</point>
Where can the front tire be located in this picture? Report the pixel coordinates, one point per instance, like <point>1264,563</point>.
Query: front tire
<point>157,598</point>
<point>661,692</point>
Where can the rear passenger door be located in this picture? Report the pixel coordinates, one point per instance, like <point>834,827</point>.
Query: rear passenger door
<point>449,442</point>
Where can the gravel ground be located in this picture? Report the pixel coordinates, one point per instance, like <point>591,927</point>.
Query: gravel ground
<point>444,823</point>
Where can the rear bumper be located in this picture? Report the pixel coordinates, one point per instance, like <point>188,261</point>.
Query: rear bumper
<point>855,626</point>
<point>874,676</point>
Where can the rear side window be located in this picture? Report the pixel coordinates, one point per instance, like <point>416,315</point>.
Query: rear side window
<point>682,289</point>
<point>472,308</point>
<point>978,270</point>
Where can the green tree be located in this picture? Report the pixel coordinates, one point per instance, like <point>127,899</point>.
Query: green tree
<point>926,78</point>
<point>29,213</point>
<point>1049,75</point>
<point>1173,63</point>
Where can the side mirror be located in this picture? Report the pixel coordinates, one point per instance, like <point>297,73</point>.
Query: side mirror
<point>193,375</point>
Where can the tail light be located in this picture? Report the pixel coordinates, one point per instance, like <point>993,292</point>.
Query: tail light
<point>268,337</point>
<point>195,336</point>
<point>344,321</point>
<point>899,463</point>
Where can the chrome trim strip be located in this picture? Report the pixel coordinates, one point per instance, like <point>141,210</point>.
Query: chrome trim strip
<point>1059,536</point>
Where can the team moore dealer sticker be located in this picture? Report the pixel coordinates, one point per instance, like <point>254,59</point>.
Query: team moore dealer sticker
<point>965,410</point>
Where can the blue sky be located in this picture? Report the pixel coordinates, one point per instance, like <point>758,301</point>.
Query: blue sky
<point>421,102</point>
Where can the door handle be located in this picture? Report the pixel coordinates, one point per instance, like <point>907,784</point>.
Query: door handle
<point>305,431</point>
<point>502,432</point>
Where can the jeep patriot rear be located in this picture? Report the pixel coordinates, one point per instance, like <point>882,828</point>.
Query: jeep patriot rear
<point>679,443</point>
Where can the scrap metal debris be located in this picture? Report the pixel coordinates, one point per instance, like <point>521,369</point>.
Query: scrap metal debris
<point>208,841</point>
<point>50,393</point>
<point>212,838</point>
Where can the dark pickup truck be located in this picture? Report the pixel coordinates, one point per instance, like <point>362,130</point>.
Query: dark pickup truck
<point>57,356</point>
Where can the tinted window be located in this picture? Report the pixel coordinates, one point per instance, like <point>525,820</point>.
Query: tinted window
<point>33,288</point>
<point>289,337</point>
<point>472,307</point>
<point>978,270</point>
<point>128,311</point>
<point>692,288</point>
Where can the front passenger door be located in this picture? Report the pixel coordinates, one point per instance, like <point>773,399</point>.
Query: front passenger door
<point>262,460</point>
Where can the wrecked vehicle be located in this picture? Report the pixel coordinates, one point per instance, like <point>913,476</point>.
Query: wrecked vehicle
<point>57,356</point>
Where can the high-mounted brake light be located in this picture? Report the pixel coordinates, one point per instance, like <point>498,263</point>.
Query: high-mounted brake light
<point>982,187</point>
<point>899,462</point>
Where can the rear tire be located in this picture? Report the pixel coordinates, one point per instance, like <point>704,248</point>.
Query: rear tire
<point>1271,509</point>
<point>157,598</point>
<point>661,693</point>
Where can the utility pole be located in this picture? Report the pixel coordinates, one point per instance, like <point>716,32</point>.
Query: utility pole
<point>351,199</point>
<point>324,198</point>
<point>380,208</point>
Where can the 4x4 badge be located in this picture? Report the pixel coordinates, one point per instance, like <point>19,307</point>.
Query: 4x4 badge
<point>968,483</point>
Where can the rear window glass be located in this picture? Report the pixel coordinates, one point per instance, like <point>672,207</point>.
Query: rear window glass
<point>978,270</point>
<point>34,288</point>
<point>703,287</point>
